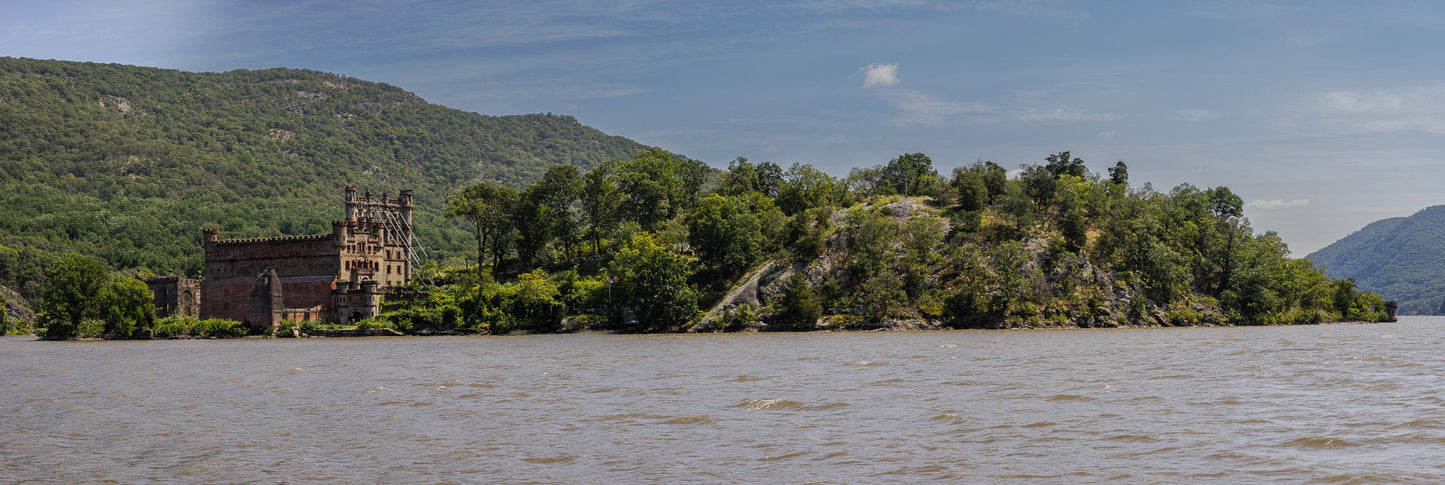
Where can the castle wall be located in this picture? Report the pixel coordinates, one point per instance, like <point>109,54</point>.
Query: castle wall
<point>331,277</point>
<point>307,267</point>
<point>173,295</point>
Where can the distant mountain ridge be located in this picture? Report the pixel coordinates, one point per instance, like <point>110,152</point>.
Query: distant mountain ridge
<point>128,163</point>
<point>1401,258</point>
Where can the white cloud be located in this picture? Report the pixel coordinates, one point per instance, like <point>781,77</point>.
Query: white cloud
<point>919,108</point>
<point>1194,114</point>
<point>1351,102</point>
<point>1418,109</point>
<point>1106,134</point>
<point>1277,203</point>
<point>1028,8</point>
<point>880,75</point>
<point>1062,114</point>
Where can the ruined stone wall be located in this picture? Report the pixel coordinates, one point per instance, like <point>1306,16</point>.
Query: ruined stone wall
<point>307,267</point>
<point>174,295</point>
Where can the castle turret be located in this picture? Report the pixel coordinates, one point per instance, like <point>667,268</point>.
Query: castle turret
<point>351,202</point>
<point>210,235</point>
<point>403,200</point>
<point>338,233</point>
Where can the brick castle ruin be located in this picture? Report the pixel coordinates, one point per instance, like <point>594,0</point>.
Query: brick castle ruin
<point>338,277</point>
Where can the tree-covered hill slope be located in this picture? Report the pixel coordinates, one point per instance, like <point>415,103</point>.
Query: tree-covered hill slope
<point>129,163</point>
<point>1402,258</point>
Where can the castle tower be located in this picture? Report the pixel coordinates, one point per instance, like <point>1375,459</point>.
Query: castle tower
<point>404,202</point>
<point>350,202</point>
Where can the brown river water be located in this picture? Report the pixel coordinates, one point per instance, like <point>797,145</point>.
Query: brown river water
<point>1332,403</point>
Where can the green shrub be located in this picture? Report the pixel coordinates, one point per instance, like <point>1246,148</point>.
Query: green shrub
<point>797,308</point>
<point>738,318</point>
<point>90,327</point>
<point>1180,314</point>
<point>218,328</point>
<point>174,326</point>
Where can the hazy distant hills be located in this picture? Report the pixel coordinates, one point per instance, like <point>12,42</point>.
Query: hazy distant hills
<point>1401,258</point>
<point>129,163</point>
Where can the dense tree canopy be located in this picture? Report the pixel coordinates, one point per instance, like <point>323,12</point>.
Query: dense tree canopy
<point>1055,245</point>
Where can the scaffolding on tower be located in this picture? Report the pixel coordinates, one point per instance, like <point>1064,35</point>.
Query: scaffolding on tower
<point>398,230</point>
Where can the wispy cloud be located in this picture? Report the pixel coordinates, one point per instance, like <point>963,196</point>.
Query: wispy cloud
<point>1194,114</point>
<point>919,108</point>
<point>1411,109</point>
<point>1277,204</point>
<point>879,75</point>
<point>1062,113</point>
<point>1028,8</point>
<point>839,6</point>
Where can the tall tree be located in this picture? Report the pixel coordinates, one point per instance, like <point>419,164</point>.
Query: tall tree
<point>1059,164</point>
<point>69,294</point>
<point>125,304</point>
<point>559,190</point>
<point>743,177</point>
<point>490,209</point>
<point>804,187</point>
<point>725,235</point>
<point>911,174</point>
<point>1119,174</point>
<point>601,200</point>
<point>655,282</point>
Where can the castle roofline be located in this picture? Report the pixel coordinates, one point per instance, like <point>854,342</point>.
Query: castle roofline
<point>267,240</point>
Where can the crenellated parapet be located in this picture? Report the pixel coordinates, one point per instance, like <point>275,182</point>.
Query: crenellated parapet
<point>269,240</point>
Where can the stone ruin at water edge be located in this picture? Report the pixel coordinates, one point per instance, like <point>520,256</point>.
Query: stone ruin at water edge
<point>338,277</point>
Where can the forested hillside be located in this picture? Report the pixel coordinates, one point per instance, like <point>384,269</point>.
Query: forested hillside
<point>129,163</point>
<point>1401,258</point>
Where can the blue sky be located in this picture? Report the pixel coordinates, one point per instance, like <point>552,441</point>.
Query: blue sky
<point>1323,116</point>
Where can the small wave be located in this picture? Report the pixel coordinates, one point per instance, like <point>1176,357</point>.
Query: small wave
<point>1319,443</point>
<point>948,346</point>
<point>548,460</point>
<point>887,382</point>
<point>1172,376</point>
<point>750,378</point>
<point>1041,424</point>
<point>768,404</point>
<point>627,416</point>
<point>687,420</point>
<point>949,418</point>
<point>1132,438</point>
<point>1422,423</point>
<point>783,457</point>
<point>297,370</point>
<point>865,363</point>
<point>1070,397</point>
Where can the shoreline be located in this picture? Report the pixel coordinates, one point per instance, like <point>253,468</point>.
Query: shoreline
<point>899,326</point>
